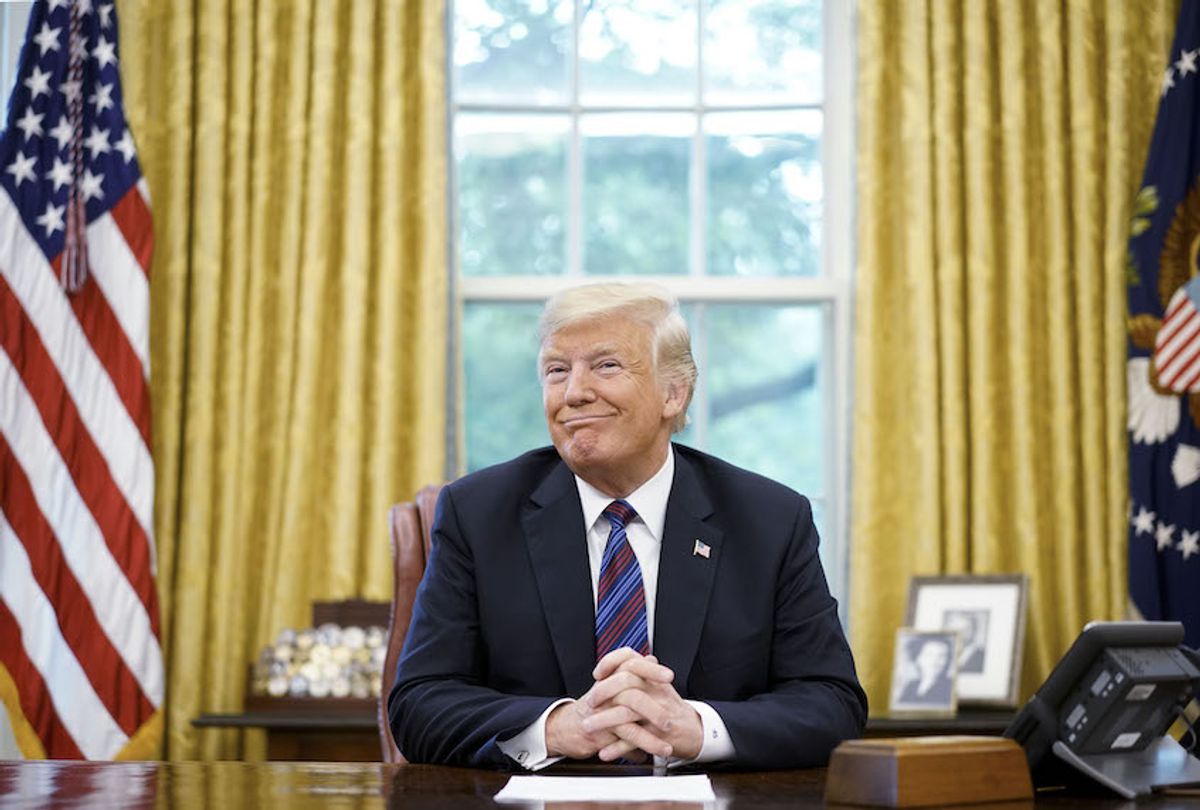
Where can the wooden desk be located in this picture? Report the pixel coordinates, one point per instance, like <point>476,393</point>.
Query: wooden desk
<point>234,785</point>
<point>306,731</point>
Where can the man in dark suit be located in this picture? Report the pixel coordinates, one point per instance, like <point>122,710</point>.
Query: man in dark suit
<point>617,595</point>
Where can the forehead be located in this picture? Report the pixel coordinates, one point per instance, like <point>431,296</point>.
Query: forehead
<point>610,334</point>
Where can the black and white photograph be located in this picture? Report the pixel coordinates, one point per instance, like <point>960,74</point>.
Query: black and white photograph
<point>988,614</point>
<point>924,672</point>
<point>973,625</point>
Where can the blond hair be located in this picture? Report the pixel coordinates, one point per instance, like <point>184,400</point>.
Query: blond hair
<point>650,304</point>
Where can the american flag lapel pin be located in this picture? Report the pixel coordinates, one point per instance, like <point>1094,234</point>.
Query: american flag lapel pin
<point>701,550</point>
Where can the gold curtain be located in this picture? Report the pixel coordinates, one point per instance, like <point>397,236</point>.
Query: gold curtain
<point>295,152</point>
<point>1000,144</point>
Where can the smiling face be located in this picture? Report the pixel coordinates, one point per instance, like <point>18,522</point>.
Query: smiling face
<point>609,416</point>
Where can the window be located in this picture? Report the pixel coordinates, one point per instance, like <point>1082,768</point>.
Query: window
<point>704,144</point>
<point>14,17</point>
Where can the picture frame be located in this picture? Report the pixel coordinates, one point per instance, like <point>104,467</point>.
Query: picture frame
<point>924,673</point>
<point>990,613</point>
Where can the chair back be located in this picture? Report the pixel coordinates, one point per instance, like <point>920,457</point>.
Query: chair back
<point>410,524</point>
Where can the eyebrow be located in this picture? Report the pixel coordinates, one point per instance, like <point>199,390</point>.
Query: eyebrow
<point>598,351</point>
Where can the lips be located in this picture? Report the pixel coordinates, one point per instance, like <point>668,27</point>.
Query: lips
<point>580,421</point>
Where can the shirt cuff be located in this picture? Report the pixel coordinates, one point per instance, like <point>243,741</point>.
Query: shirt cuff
<point>528,749</point>
<point>716,745</point>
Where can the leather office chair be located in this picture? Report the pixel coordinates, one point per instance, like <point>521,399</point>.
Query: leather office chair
<point>410,524</point>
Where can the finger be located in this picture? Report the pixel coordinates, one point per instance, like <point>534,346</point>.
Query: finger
<point>644,707</point>
<point>605,690</point>
<point>648,668</point>
<point>643,738</point>
<point>608,664</point>
<point>607,718</point>
<point>622,748</point>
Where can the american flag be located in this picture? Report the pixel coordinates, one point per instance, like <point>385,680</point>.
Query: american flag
<point>1164,341</point>
<point>81,669</point>
<point>1177,346</point>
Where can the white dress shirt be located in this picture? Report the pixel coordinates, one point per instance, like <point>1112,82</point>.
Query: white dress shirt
<point>644,534</point>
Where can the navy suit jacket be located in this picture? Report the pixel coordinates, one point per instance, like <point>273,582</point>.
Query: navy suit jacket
<point>503,622</point>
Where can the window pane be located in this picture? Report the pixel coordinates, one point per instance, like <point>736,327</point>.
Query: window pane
<point>503,399</point>
<point>759,403</point>
<point>635,206</point>
<point>764,193</point>
<point>511,174</point>
<point>635,52</point>
<point>762,52</point>
<point>14,19</point>
<point>512,50</point>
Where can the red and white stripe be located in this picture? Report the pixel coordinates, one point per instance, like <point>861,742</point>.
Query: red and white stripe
<point>79,629</point>
<point>1177,346</point>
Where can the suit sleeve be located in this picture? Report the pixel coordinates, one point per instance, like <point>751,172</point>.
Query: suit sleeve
<point>814,700</point>
<point>440,711</point>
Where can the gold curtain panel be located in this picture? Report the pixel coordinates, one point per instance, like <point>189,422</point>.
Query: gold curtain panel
<point>295,152</point>
<point>1000,145</point>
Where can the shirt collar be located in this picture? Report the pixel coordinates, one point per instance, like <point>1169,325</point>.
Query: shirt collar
<point>649,500</point>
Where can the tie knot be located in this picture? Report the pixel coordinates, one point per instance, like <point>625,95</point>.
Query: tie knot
<point>619,513</point>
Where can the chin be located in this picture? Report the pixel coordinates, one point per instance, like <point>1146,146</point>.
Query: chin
<point>582,454</point>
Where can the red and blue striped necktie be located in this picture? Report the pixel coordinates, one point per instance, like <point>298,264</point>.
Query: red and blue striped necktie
<point>620,599</point>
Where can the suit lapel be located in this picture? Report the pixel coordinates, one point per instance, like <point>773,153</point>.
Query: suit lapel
<point>554,534</point>
<point>685,578</point>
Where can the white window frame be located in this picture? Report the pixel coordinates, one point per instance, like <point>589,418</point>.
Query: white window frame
<point>833,291</point>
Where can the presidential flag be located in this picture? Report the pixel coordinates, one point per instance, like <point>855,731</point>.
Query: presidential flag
<point>1163,370</point>
<point>81,672</point>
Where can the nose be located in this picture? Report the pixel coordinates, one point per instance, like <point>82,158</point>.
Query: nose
<point>579,388</point>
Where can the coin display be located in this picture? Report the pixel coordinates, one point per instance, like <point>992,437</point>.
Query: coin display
<point>322,662</point>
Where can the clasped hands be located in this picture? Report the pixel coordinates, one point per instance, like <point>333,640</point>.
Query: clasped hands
<point>631,711</point>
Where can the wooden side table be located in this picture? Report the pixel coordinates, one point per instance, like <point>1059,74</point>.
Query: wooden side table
<point>316,729</point>
<point>329,730</point>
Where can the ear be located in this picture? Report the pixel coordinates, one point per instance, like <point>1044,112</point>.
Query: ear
<point>674,402</point>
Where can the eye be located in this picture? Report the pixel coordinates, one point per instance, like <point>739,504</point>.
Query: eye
<point>554,371</point>
<point>608,365</point>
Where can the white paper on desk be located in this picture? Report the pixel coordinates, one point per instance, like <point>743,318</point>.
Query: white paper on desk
<point>691,788</point>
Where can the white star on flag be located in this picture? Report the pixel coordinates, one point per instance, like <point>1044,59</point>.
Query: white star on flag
<point>98,142</point>
<point>102,98</point>
<point>1144,522</point>
<point>90,185</point>
<point>105,53</point>
<point>106,15</point>
<point>72,90</point>
<point>47,38</point>
<point>78,47</point>
<point>21,168</point>
<point>62,132</point>
<point>31,123</point>
<point>1162,536</point>
<point>52,220</point>
<point>1168,81</point>
<point>125,146</point>
<point>1187,62</point>
<point>1190,544</point>
<point>57,4</point>
<point>60,174</point>
<point>38,82</point>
